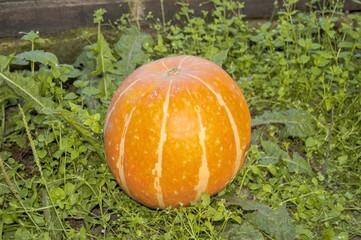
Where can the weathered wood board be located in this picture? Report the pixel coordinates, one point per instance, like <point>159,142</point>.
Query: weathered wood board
<point>50,16</point>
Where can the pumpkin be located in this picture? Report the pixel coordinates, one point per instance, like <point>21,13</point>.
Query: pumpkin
<point>175,128</point>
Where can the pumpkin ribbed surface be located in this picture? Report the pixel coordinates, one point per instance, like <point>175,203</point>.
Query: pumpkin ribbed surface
<point>176,128</point>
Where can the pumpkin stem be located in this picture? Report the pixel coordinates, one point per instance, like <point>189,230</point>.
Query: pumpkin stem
<point>173,71</point>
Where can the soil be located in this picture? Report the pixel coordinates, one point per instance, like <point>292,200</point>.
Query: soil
<point>65,45</point>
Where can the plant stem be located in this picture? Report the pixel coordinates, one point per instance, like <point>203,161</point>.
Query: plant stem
<point>298,197</point>
<point>163,14</point>
<point>2,130</point>
<point>32,63</point>
<point>244,177</point>
<point>329,145</point>
<point>254,125</point>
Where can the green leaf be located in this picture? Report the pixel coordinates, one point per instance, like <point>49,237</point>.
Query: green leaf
<point>320,61</point>
<point>57,193</point>
<point>218,57</point>
<point>304,59</point>
<point>105,58</point>
<point>326,55</point>
<point>275,222</point>
<point>130,49</point>
<point>298,164</point>
<point>25,88</point>
<point>6,93</point>
<point>302,42</point>
<point>70,96</point>
<point>105,85</point>
<point>39,56</point>
<point>257,38</point>
<point>297,122</point>
<point>42,153</point>
<point>244,231</point>
<point>5,61</point>
<point>69,188</point>
<point>214,214</point>
<point>90,91</point>
<point>206,199</point>
<point>311,142</point>
<point>23,234</point>
<point>255,170</point>
<point>273,153</point>
<point>32,37</point>
<point>7,219</point>
<point>272,169</point>
<point>328,234</point>
<point>300,230</point>
<point>342,159</point>
<point>315,71</point>
<point>266,26</point>
<point>74,154</point>
<point>315,46</point>
<point>98,15</point>
<point>342,236</point>
<point>253,186</point>
<point>345,44</point>
<point>267,188</point>
<point>39,220</point>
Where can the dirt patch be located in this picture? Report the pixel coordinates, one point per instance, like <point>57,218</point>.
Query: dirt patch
<point>65,45</point>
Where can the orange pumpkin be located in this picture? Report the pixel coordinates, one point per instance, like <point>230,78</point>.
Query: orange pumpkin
<point>176,128</point>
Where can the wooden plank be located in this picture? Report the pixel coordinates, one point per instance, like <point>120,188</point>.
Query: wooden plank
<point>53,16</point>
<point>351,6</point>
<point>50,16</point>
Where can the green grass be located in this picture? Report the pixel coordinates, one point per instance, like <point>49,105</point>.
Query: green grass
<point>301,180</point>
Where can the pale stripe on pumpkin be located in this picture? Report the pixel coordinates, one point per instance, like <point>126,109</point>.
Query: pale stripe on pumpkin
<point>203,174</point>
<point>163,137</point>
<point>231,120</point>
<point>164,65</point>
<point>120,162</point>
<point>110,111</point>
<point>183,59</point>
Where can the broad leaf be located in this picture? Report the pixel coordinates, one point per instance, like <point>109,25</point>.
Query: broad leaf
<point>104,57</point>
<point>5,61</point>
<point>297,122</point>
<point>130,49</point>
<point>298,164</point>
<point>105,86</point>
<point>6,93</point>
<point>25,88</point>
<point>22,233</point>
<point>275,222</point>
<point>244,231</point>
<point>39,56</point>
<point>273,153</point>
<point>218,57</point>
<point>32,37</point>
